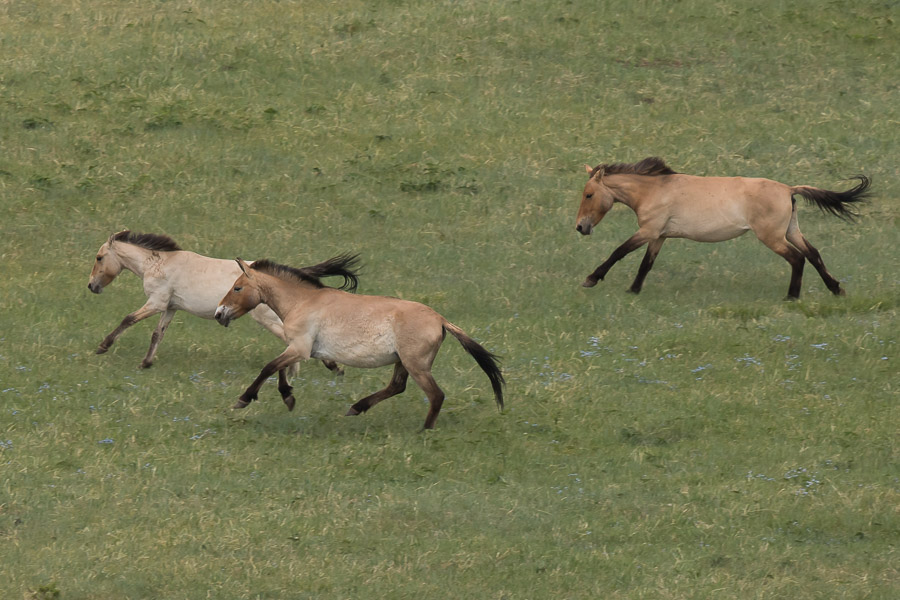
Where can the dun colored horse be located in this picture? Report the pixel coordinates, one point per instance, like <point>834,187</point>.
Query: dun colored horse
<point>173,280</point>
<point>355,330</point>
<point>707,209</point>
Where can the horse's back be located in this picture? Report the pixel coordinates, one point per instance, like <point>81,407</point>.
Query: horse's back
<point>721,188</point>
<point>715,209</point>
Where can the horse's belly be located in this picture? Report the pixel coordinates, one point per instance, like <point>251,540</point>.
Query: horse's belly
<point>202,304</point>
<point>378,351</point>
<point>709,231</point>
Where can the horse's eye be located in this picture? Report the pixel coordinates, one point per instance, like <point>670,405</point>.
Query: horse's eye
<point>99,258</point>
<point>589,196</point>
<point>238,289</point>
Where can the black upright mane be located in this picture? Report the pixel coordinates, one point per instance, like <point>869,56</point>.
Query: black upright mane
<point>150,241</point>
<point>345,265</point>
<point>652,165</point>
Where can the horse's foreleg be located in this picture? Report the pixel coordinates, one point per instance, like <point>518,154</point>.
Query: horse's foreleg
<point>285,389</point>
<point>646,264</point>
<point>815,259</point>
<point>138,315</point>
<point>266,317</point>
<point>283,360</point>
<point>396,386</point>
<point>157,337</point>
<point>631,244</point>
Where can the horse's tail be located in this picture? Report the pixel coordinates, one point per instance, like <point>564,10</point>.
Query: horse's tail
<point>835,202</point>
<point>486,360</point>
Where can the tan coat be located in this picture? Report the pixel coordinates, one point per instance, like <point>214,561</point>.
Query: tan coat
<point>356,330</point>
<point>706,209</point>
<point>173,280</point>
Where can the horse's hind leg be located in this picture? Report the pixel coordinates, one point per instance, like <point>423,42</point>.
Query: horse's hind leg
<point>425,380</point>
<point>646,264</point>
<point>815,259</point>
<point>435,397</point>
<point>396,386</point>
<point>157,337</point>
<point>794,257</point>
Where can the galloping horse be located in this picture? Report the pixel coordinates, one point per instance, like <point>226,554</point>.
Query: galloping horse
<point>707,209</point>
<point>173,280</point>
<point>359,331</point>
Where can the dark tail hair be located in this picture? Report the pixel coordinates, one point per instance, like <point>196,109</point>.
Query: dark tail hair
<point>835,202</point>
<point>345,265</point>
<point>486,360</point>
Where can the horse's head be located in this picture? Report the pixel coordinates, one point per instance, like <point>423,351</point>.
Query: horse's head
<point>596,201</point>
<point>106,266</point>
<point>243,296</point>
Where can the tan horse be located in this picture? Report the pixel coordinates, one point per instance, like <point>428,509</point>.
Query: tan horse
<point>359,331</point>
<point>173,280</point>
<point>707,209</point>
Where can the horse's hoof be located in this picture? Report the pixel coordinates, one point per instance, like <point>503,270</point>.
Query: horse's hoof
<point>146,365</point>
<point>633,291</point>
<point>101,350</point>
<point>840,292</point>
<point>352,412</point>
<point>589,283</point>
<point>289,402</point>
<point>241,404</point>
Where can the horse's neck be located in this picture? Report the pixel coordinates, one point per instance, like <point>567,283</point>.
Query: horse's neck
<point>631,190</point>
<point>134,258</point>
<point>283,296</point>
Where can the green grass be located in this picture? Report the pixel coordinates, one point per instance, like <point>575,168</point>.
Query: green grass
<point>702,439</point>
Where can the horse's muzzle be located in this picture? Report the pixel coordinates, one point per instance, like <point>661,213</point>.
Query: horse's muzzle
<point>222,316</point>
<point>584,227</point>
<point>95,287</point>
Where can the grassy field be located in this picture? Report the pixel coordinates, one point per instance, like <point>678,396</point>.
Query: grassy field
<point>703,439</point>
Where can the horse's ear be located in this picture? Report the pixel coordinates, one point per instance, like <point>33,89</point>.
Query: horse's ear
<point>245,268</point>
<point>113,236</point>
<point>599,174</point>
<point>589,169</point>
